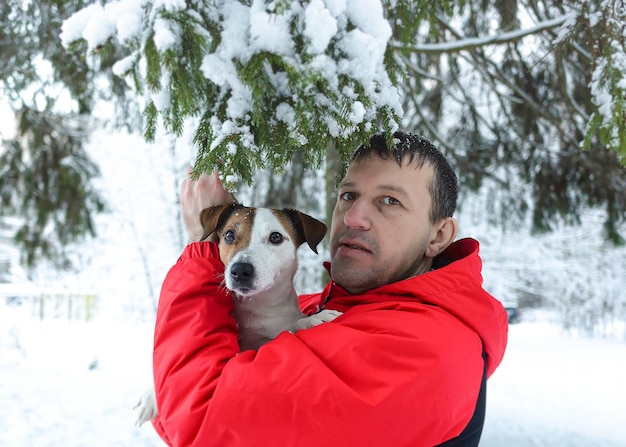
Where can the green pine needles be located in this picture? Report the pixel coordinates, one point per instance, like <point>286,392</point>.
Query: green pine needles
<point>608,85</point>
<point>258,83</point>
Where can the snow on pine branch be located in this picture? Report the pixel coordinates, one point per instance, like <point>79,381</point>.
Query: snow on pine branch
<point>261,79</point>
<point>608,82</point>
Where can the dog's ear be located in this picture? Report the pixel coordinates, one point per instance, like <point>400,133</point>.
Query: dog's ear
<point>307,228</point>
<point>213,218</point>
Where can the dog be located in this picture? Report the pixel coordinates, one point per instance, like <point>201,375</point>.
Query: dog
<point>258,247</point>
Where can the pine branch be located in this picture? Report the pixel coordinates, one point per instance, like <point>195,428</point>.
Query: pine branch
<point>472,43</point>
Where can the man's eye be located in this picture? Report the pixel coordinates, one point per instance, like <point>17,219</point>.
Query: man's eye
<point>390,201</point>
<point>276,237</point>
<point>347,196</point>
<point>229,236</point>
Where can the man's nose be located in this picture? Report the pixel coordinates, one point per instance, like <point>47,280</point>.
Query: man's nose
<point>358,215</point>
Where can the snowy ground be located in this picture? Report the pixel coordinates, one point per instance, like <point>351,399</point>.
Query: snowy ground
<point>73,384</point>
<point>557,390</point>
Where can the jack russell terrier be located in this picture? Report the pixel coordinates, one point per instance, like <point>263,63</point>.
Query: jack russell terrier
<point>258,247</point>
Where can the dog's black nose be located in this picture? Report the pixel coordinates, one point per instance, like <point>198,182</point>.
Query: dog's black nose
<point>242,271</point>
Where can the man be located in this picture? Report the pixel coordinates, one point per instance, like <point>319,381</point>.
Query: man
<point>406,363</point>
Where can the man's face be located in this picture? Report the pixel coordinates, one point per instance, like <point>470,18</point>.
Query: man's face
<point>381,224</point>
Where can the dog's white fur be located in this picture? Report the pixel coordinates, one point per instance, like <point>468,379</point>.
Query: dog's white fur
<point>258,247</point>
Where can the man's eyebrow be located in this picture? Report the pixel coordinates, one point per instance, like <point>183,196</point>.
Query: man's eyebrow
<point>392,188</point>
<point>346,184</point>
<point>383,188</point>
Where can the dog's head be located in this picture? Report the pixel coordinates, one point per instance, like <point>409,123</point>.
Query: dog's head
<point>258,245</point>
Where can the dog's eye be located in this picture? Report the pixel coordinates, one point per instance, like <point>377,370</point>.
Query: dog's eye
<point>229,236</point>
<point>276,237</point>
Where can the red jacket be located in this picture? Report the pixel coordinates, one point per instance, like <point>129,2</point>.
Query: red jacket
<point>401,367</point>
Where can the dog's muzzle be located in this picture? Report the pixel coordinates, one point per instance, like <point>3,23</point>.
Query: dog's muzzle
<point>242,276</point>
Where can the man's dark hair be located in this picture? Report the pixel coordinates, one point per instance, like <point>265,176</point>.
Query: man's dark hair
<point>444,187</point>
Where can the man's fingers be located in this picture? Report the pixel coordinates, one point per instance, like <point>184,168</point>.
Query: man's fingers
<point>206,191</point>
<point>185,184</point>
<point>196,195</point>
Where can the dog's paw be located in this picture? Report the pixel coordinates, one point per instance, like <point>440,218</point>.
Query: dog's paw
<point>145,408</point>
<point>326,315</point>
<point>323,316</point>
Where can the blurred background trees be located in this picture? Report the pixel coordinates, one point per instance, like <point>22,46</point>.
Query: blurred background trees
<point>45,173</point>
<point>515,91</point>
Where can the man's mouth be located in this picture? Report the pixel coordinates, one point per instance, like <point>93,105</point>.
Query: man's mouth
<point>352,245</point>
<point>356,247</point>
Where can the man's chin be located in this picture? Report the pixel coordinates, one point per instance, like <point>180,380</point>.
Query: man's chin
<point>352,277</point>
<point>353,257</point>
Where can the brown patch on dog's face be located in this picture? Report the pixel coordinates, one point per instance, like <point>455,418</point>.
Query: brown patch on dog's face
<point>228,225</point>
<point>213,218</point>
<point>234,234</point>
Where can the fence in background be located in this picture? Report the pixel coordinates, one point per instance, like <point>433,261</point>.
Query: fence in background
<point>46,304</point>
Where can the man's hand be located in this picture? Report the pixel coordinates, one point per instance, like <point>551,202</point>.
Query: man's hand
<point>196,195</point>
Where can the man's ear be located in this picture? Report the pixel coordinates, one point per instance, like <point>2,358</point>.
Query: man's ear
<point>443,235</point>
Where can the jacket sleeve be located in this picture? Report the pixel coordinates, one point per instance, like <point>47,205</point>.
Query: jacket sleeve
<point>195,335</point>
<point>371,377</point>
